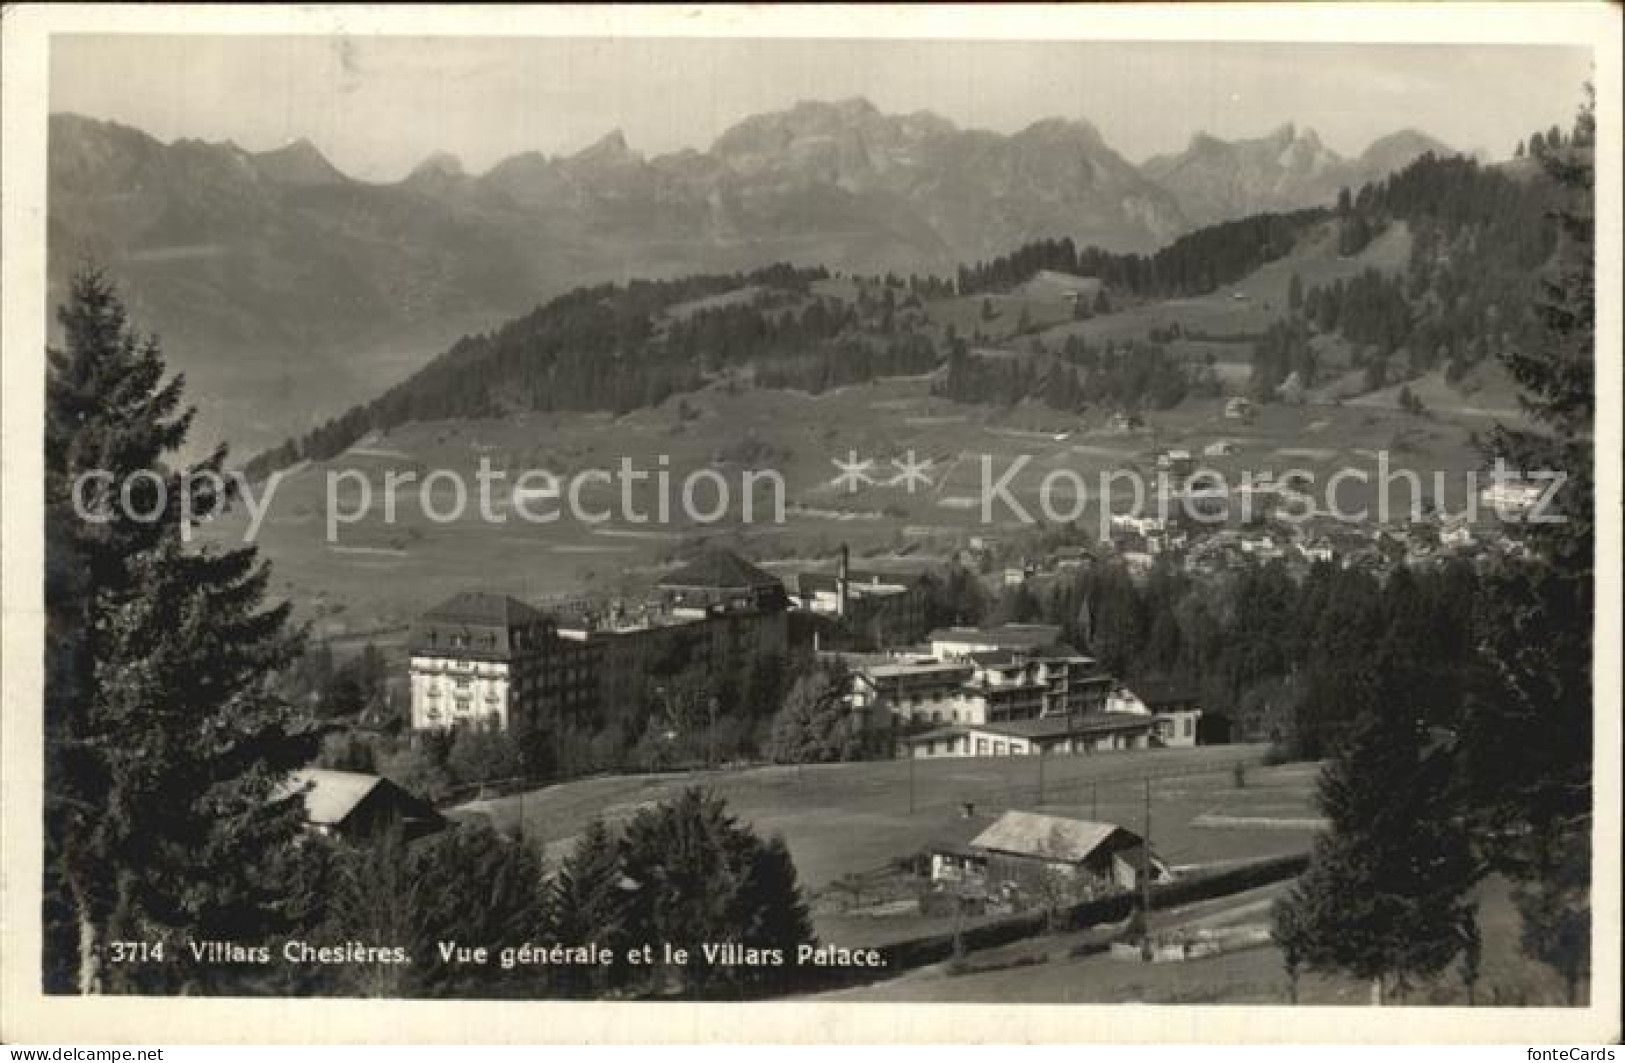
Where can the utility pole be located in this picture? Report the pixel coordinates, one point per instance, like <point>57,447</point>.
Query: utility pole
<point>911,780</point>
<point>1041,776</point>
<point>1145,876</point>
<point>1094,801</point>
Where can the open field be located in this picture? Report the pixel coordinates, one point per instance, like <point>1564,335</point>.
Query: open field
<point>393,561</point>
<point>1042,970</point>
<point>847,819</point>
<point>386,567</point>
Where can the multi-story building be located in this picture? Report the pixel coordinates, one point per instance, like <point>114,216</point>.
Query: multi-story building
<point>483,659</point>
<point>991,686</point>
<point>490,659</point>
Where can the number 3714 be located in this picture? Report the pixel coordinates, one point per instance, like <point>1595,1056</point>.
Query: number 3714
<point>136,951</point>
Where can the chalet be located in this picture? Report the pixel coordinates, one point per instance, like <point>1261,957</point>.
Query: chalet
<point>1177,461</point>
<point>1457,533</point>
<point>356,806</point>
<point>1141,524</point>
<point>1123,422</point>
<point>1511,499</point>
<point>1024,852</point>
<point>1176,718</point>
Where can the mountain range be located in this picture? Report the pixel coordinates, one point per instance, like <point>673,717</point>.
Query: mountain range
<point>1216,180</point>
<point>287,289</point>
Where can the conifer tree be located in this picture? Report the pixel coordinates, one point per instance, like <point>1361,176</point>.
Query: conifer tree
<point>1385,898</point>
<point>587,905</point>
<point>699,877</point>
<point>165,745</point>
<point>1528,731</point>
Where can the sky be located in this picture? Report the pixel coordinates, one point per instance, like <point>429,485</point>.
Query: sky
<point>377,106</point>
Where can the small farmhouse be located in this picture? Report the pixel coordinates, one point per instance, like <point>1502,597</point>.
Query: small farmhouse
<point>1021,850</point>
<point>356,806</point>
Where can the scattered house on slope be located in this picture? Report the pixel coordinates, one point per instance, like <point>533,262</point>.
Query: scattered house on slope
<point>356,806</point>
<point>1176,718</point>
<point>1023,851</point>
<point>1238,409</point>
<point>1457,533</point>
<point>1177,461</point>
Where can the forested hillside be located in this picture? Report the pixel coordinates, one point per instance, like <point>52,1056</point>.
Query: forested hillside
<point>1479,235</point>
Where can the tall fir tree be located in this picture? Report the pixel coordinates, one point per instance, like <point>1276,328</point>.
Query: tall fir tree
<point>1527,732</point>
<point>587,905</point>
<point>1386,895</point>
<point>700,878</point>
<point>165,744</point>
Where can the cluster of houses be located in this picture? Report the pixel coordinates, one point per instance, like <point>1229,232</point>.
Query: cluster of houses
<point>1211,529</point>
<point>491,660</point>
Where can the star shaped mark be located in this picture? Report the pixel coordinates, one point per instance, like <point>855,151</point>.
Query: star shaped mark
<point>911,473</point>
<point>854,472</point>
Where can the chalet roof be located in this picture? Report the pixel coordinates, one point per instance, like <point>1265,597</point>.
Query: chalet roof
<point>331,797</point>
<point>1049,837</point>
<point>718,569</point>
<point>1160,692</point>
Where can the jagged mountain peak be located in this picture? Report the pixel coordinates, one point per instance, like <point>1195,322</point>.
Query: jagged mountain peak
<point>297,163</point>
<point>1287,168</point>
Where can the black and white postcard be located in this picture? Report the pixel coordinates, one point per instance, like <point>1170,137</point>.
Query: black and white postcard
<point>999,514</point>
